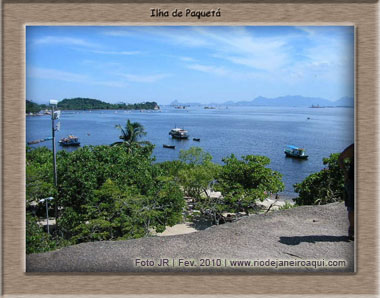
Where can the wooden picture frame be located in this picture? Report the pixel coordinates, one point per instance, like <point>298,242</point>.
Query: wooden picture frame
<point>16,14</point>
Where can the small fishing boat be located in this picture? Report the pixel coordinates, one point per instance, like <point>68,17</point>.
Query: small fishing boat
<point>34,142</point>
<point>69,141</point>
<point>196,139</point>
<point>39,141</point>
<point>295,152</point>
<point>179,133</point>
<point>169,146</point>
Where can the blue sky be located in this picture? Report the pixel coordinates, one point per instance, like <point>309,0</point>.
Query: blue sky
<point>188,64</point>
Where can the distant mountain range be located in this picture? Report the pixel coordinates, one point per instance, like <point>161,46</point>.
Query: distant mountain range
<point>283,101</point>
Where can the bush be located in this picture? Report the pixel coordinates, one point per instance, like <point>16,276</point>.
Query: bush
<point>243,182</point>
<point>326,186</point>
<point>105,192</point>
<point>37,240</point>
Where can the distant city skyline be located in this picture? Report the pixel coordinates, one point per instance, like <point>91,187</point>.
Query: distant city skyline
<point>188,63</point>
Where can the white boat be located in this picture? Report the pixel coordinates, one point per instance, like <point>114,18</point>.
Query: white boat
<point>179,133</point>
<point>70,141</point>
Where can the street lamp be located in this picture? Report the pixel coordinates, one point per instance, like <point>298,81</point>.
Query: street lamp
<point>55,114</point>
<point>47,211</point>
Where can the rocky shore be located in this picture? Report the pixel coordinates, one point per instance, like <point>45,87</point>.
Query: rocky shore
<point>301,239</point>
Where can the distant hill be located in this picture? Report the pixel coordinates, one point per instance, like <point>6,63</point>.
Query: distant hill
<point>294,101</point>
<point>177,103</point>
<point>80,103</point>
<point>283,101</point>
<point>344,102</point>
<point>288,101</point>
<point>32,107</point>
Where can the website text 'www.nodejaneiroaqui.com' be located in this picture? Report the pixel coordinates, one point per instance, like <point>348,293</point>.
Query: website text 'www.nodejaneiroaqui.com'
<point>230,263</point>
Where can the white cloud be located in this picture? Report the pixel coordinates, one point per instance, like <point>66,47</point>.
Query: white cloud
<point>175,35</point>
<point>127,53</point>
<point>81,44</point>
<point>53,74</point>
<point>186,59</point>
<point>234,44</point>
<point>241,47</point>
<point>66,41</point>
<point>117,84</point>
<point>145,78</point>
<point>221,71</point>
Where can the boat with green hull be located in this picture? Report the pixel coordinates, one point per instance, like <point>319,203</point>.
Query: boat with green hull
<point>295,152</point>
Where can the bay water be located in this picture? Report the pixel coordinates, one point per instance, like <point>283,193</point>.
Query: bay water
<point>222,131</point>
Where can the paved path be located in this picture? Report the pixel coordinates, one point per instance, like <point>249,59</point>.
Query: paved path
<point>302,234</point>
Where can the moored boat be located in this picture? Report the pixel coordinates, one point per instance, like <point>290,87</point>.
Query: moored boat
<point>179,133</point>
<point>295,152</point>
<point>169,146</point>
<point>39,141</point>
<point>69,141</point>
<point>196,139</point>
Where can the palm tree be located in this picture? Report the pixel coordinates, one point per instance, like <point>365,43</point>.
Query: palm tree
<point>131,133</point>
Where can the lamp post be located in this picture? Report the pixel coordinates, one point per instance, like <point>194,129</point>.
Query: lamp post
<point>54,116</point>
<point>47,211</point>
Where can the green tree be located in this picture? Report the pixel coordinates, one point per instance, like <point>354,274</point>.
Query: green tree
<point>95,182</point>
<point>39,174</point>
<point>104,193</point>
<point>243,182</point>
<point>32,107</point>
<point>197,178</point>
<point>131,133</point>
<point>38,240</point>
<point>195,156</point>
<point>197,172</point>
<point>80,103</point>
<point>116,214</point>
<point>326,186</point>
<point>171,168</point>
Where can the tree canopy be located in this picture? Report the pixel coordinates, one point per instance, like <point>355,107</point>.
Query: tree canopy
<point>118,192</point>
<point>326,186</point>
<point>80,103</point>
<point>32,107</point>
<point>243,182</point>
<point>105,192</point>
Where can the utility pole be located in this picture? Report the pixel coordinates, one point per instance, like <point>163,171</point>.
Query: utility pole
<point>54,116</point>
<point>53,140</point>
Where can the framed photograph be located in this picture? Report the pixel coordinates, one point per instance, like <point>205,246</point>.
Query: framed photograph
<point>149,147</point>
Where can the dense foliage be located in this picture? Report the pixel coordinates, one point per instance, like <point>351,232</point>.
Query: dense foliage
<point>95,104</point>
<point>241,182</point>
<point>39,175</point>
<point>115,191</point>
<point>197,177</point>
<point>37,240</point>
<point>244,182</point>
<point>104,192</point>
<point>326,186</point>
<point>118,192</point>
<point>32,107</point>
<point>80,103</point>
<point>39,185</point>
